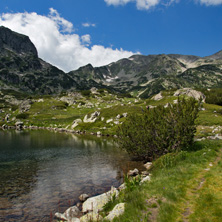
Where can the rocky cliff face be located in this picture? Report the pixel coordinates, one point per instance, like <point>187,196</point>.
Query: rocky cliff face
<point>14,42</point>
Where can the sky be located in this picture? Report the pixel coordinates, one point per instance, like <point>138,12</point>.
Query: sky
<point>72,33</point>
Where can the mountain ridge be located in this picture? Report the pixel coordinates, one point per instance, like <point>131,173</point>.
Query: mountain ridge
<point>21,69</point>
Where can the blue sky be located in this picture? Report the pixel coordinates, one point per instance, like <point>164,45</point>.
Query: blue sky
<point>72,33</point>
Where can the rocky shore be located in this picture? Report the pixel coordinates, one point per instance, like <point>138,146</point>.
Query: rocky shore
<point>90,208</point>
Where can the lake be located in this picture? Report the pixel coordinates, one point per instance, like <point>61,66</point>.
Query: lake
<point>43,172</point>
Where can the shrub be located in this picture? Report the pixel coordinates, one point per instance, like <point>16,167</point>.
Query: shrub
<point>160,130</point>
<point>22,116</point>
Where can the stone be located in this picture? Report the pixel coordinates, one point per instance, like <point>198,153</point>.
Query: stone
<point>122,187</point>
<point>125,114</point>
<point>116,212</point>
<point>92,216</point>
<point>147,178</point>
<point>133,173</point>
<point>76,123</point>
<point>83,197</point>
<point>60,216</point>
<point>98,133</point>
<point>148,165</point>
<point>19,125</point>
<point>93,117</point>
<point>109,120</point>
<point>157,97</point>
<point>96,203</point>
<point>144,173</point>
<point>72,212</point>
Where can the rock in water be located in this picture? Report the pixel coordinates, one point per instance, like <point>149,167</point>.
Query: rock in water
<point>83,197</point>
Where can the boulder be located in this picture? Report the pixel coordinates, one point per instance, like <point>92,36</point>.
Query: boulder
<point>96,203</point>
<point>83,197</point>
<point>92,216</point>
<point>116,212</point>
<point>191,93</point>
<point>133,173</point>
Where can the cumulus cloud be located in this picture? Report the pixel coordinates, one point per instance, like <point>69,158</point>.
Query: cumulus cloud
<point>211,2</point>
<point>57,43</point>
<point>88,24</point>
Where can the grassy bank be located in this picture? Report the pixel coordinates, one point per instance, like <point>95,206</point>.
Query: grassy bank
<point>184,187</point>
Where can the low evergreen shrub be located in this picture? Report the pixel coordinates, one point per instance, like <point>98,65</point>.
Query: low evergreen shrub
<point>160,130</point>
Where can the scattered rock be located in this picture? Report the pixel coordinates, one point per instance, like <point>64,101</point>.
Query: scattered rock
<point>83,197</point>
<point>92,118</point>
<point>147,178</point>
<point>133,173</point>
<point>116,212</point>
<point>19,125</point>
<point>148,165</point>
<point>109,120</point>
<point>157,97</point>
<point>145,173</point>
<point>122,187</point>
<point>76,123</point>
<point>125,114</point>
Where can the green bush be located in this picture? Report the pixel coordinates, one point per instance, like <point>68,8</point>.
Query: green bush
<point>160,130</point>
<point>22,116</point>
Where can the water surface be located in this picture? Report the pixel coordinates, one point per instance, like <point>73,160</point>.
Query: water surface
<point>44,172</point>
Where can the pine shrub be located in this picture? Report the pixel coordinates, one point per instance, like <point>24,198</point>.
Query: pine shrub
<point>160,130</point>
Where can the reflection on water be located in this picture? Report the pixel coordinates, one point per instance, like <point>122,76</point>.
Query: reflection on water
<point>42,172</point>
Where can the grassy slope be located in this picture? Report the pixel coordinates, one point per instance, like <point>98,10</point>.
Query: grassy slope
<point>181,189</point>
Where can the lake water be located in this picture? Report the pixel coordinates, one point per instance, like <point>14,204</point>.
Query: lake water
<point>44,172</point>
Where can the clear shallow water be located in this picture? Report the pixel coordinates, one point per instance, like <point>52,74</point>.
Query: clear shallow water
<point>44,172</point>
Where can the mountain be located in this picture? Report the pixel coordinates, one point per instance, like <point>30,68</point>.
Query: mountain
<point>21,69</point>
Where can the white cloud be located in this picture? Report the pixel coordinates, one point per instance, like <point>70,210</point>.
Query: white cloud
<point>211,2</point>
<point>88,24</point>
<point>141,4</point>
<point>56,42</point>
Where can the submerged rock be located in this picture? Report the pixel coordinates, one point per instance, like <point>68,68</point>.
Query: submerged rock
<point>83,197</point>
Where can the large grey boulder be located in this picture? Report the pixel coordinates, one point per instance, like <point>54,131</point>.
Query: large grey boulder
<point>96,203</point>
<point>191,93</point>
<point>116,212</point>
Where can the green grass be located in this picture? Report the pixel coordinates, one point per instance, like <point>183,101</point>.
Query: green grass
<point>170,182</point>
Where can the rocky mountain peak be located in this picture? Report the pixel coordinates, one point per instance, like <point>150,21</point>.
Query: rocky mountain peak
<point>15,42</point>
